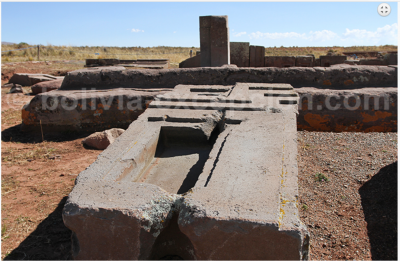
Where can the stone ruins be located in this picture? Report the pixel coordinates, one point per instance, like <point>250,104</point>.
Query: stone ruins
<point>141,63</point>
<point>206,172</point>
<point>215,45</point>
<point>96,99</point>
<point>207,167</point>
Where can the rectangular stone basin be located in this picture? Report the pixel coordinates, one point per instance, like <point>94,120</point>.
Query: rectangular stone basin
<point>179,159</point>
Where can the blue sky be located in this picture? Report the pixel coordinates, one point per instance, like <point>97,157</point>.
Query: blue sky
<point>150,24</point>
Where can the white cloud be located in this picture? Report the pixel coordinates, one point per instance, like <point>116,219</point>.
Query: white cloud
<point>382,35</point>
<point>174,32</point>
<point>388,32</point>
<point>321,36</point>
<point>137,31</point>
<point>238,34</point>
<point>258,35</point>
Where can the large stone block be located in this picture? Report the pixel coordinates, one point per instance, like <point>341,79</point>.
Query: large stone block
<point>214,41</point>
<point>359,110</point>
<point>207,172</point>
<point>373,62</point>
<point>305,61</point>
<point>391,58</point>
<point>257,54</point>
<point>240,53</point>
<point>328,60</point>
<point>101,62</point>
<point>191,62</point>
<point>280,61</point>
<point>29,79</point>
<point>332,77</point>
<point>46,86</point>
<point>85,110</point>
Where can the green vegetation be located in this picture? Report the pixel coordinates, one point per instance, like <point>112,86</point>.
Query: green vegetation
<point>321,177</point>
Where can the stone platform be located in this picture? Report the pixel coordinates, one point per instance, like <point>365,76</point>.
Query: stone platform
<point>86,110</point>
<point>109,85</point>
<point>364,109</point>
<point>206,172</point>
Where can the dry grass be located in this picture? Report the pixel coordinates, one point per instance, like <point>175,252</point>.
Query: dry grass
<point>21,156</point>
<point>175,54</point>
<point>318,51</point>
<point>54,53</point>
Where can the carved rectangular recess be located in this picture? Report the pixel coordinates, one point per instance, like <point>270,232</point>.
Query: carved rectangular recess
<point>179,158</point>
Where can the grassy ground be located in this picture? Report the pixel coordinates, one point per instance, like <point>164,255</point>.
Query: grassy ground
<point>175,54</point>
<point>54,53</point>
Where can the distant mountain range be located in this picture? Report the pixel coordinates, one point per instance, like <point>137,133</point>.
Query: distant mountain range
<point>7,43</point>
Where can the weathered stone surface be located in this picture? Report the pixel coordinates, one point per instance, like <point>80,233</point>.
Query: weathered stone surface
<point>257,54</point>
<point>101,140</point>
<point>373,62</point>
<point>142,63</point>
<point>192,62</point>
<point>214,41</point>
<point>240,53</point>
<point>46,86</point>
<point>332,77</point>
<point>195,184</point>
<point>280,61</point>
<point>27,79</point>
<point>260,54</point>
<point>352,62</point>
<point>328,60</point>
<point>16,88</point>
<point>304,61</point>
<point>85,110</point>
<point>361,110</point>
<point>391,58</point>
<point>7,85</point>
<point>101,62</point>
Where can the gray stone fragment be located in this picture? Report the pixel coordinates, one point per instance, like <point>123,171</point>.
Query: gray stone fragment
<point>16,89</point>
<point>28,79</point>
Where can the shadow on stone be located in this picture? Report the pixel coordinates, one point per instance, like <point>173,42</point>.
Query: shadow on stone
<point>15,134</point>
<point>50,241</point>
<point>379,202</point>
